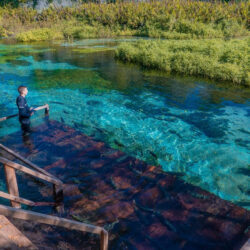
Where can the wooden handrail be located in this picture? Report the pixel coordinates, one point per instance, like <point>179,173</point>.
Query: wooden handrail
<point>46,107</point>
<point>11,181</point>
<point>56,221</point>
<point>30,171</point>
<point>11,152</point>
<point>17,199</point>
<point>40,173</point>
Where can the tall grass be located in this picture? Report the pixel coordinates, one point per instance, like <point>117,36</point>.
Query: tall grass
<point>214,59</point>
<point>172,19</point>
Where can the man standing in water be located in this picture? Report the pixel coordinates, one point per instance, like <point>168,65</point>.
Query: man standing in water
<point>24,111</point>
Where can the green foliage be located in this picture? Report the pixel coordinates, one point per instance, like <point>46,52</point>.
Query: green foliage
<point>88,50</point>
<point>3,32</point>
<point>172,19</point>
<point>214,59</point>
<point>184,29</point>
<point>13,3</point>
<point>39,35</point>
<point>87,31</point>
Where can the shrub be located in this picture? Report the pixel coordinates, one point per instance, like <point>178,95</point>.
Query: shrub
<point>39,35</point>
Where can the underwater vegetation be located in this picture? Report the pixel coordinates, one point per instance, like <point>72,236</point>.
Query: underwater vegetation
<point>75,78</point>
<point>13,52</point>
<point>214,59</point>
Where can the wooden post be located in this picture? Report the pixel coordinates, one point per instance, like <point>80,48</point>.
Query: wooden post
<point>47,110</point>
<point>104,240</point>
<point>58,197</point>
<point>246,245</point>
<point>11,181</point>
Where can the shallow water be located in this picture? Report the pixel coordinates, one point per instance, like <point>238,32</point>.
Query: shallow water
<point>190,126</point>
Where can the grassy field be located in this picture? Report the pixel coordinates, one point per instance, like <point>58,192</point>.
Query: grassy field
<point>215,58</point>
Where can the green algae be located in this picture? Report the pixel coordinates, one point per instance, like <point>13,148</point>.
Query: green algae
<point>7,49</point>
<point>19,62</point>
<point>7,58</point>
<point>92,50</point>
<point>81,218</point>
<point>70,78</point>
<point>12,53</point>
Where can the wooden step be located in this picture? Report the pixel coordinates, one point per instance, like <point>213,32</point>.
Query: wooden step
<point>149,208</point>
<point>246,246</point>
<point>12,238</point>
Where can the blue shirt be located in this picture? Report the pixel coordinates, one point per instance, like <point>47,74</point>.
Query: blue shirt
<point>24,110</point>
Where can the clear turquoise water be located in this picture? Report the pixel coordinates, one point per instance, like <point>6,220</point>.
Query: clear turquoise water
<point>188,126</point>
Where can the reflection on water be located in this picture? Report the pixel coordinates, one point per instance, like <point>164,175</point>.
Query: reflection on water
<point>186,125</point>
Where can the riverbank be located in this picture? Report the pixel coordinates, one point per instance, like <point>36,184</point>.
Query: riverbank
<point>214,59</point>
<point>172,20</point>
<point>168,19</point>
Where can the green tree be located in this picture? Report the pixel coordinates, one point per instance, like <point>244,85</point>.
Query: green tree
<point>14,3</point>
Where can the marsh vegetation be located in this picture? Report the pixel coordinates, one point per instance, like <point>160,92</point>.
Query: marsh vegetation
<point>214,59</point>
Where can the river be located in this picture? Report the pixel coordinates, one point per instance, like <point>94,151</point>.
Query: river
<point>196,128</point>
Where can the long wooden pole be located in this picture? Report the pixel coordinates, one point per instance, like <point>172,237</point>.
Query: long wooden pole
<point>46,107</point>
<point>8,117</point>
<point>17,199</point>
